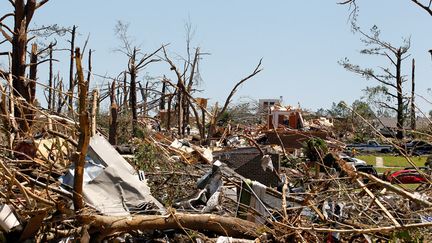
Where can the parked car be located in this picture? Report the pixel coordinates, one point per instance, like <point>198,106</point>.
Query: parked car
<point>370,146</point>
<point>368,169</point>
<point>409,176</point>
<point>418,147</point>
<point>351,160</point>
<point>358,165</point>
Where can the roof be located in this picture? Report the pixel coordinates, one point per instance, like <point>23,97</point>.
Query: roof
<point>391,122</point>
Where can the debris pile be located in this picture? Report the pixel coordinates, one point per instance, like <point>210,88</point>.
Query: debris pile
<point>172,186</point>
<point>170,168</point>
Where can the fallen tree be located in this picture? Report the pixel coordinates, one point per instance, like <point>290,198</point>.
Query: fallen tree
<point>228,226</point>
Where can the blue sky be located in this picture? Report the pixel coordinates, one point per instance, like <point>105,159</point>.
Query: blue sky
<point>300,42</point>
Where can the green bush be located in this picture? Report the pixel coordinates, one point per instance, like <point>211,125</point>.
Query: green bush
<point>146,157</point>
<point>124,126</point>
<point>314,149</point>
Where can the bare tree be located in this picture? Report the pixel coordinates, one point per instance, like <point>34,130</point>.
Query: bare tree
<point>137,61</point>
<point>188,77</point>
<point>183,91</point>
<point>390,79</point>
<point>23,13</point>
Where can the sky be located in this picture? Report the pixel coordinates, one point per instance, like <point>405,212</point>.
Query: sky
<point>300,42</point>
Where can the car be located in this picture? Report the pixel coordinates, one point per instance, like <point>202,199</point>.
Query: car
<point>351,160</point>
<point>408,176</point>
<point>358,165</point>
<point>419,147</point>
<point>371,146</point>
<point>368,169</point>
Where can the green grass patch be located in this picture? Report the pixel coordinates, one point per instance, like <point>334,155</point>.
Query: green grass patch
<point>394,161</point>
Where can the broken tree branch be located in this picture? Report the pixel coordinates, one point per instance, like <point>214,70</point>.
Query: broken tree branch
<point>234,90</point>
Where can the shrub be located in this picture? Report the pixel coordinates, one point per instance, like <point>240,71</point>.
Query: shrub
<point>314,149</point>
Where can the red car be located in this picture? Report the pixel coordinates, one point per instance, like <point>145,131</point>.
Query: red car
<point>406,177</point>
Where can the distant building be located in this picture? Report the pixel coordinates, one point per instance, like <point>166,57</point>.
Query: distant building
<point>388,125</point>
<point>284,116</point>
<point>265,104</point>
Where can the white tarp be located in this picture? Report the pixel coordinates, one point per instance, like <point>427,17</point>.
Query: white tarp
<point>114,188</point>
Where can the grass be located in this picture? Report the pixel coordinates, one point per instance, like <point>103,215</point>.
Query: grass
<point>394,161</point>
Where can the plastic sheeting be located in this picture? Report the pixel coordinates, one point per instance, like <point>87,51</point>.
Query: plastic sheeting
<point>111,184</point>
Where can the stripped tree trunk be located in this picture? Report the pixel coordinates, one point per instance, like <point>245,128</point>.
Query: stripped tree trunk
<point>84,137</point>
<point>14,125</point>
<point>113,120</point>
<point>413,115</point>
<point>29,110</point>
<point>22,17</point>
<point>89,65</point>
<point>71,70</point>
<point>400,103</point>
<point>61,99</point>
<point>180,109</point>
<point>95,102</point>
<point>118,97</point>
<point>54,92</point>
<point>188,89</point>
<point>162,100</point>
<point>50,79</point>
<point>141,89</point>
<point>133,96</point>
